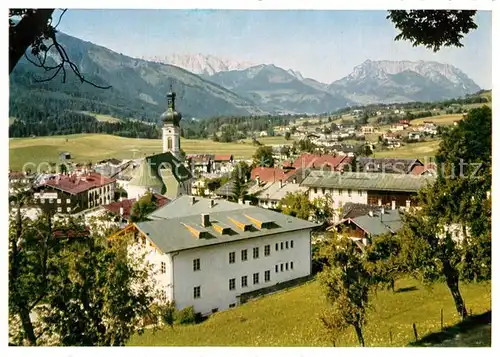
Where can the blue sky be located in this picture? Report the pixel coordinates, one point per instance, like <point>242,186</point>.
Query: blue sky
<point>324,45</point>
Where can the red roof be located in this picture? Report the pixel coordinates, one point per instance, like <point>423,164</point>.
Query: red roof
<point>321,161</point>
<point>269,174</point>
<point>127,204</point>
<point>228,157</point>
<point>77,184</point>
<point>419,170</point>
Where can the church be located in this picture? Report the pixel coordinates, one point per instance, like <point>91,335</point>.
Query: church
<point>163,173</point>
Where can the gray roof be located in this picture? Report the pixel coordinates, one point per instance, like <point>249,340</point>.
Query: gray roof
<point>352,210</point>
<point>374,181</point>
<point>389,222</point>
<point>388,165</point>
<point>171,235</point>
<point>182,206</point>
<point>273,191</point>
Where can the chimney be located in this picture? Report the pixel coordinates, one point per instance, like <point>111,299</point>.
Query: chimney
<point>370,213</point>
<point>379,202</point>
<point>393,205</point>
<point>294,180</point>
<point>408,202</point>
<point>211,203</point>
<point>281,183</point>
<point>121,211</point>
<point>193,200</point>
<point>205,219</point>
<point>257,179</point>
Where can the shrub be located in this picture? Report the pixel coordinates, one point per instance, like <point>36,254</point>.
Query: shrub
<point>185,316</point>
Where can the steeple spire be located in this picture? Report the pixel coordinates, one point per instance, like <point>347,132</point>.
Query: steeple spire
<point>171,98</point>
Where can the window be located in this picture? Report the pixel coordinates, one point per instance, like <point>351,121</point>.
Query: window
<point>244,255</point>
<point>281,267</point>
<point>277,246</point>
<point>68,209</point>
<point>323,191</point>
<point>267,275</point>
<point>232,305</point>
<point>197,292</point>
<point>196,264</point>
<point>255,278</point>
<point>276,268</point>
<point>244,281</point>
<point>315,190</point>
<point>42,200</point>
<point>58,200</point>
<point>267,250</point>
<point>341,192</point>
<point>163,267</point>
<point>286,244</point>
<point>59,209</point>
<point>286,266</point>
<point>281,245</point>
<point>51,200</point>
<point>291,244</point>
<point>349,191</point>
<point>232,257</point>
<point>360,192</point>
<point>232,284</point>
<point>68,200</point>
<point>256,252</point>
<point>291,265</point>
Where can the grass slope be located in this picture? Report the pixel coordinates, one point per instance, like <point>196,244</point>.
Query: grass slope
<point>94,147</point>
<point>291,318</point>
<point>421,150</point>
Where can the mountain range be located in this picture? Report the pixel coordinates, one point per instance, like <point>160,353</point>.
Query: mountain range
<point>209,86</point>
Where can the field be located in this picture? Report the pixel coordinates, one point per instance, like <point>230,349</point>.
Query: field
<point>104,117</point>
<point>445,119</point>
<point>95,147</point>
<point>422,151</point>
<point>291,318</point>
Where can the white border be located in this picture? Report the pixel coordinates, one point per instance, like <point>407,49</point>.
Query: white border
<point>242,4</point>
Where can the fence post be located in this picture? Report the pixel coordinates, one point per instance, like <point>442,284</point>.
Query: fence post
<point>390,334</point>
<point>442,322</point>
<point>415,332</point>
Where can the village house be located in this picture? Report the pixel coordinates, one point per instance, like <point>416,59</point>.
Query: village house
<point>362,229</point>
<point>74,193</point>
<point>324,162</point>
<point>214,254</point>
<point>223,163</point>
<point>201,163</point>
<point>366,187</point>
<point>415,135</point>
<point>270,194</point>
<point>367,129</point>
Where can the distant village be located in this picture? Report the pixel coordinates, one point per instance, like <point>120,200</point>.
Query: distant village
<point>221,249</point>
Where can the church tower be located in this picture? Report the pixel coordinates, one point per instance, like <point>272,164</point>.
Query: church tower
<point>171,129</point>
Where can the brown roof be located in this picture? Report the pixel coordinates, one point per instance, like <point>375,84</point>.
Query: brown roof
<point>228,157</point>
<point>16,175</point>
<point>71,233</point>
<point>114,207</point>
<point>76,184</point>
<point>321,161</point>
<point>269,174</point>
<point>419,170</point>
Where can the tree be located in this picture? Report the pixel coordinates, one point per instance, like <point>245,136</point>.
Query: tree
<point>73,276</point>
<point>34,29</point>
<point>322,209</point>
<point>433,29</point>
<point>296,205</point>
<point>347,285</point>
<point>143,207</point>
<point>287,135</point>
<point>263,157</point>
<point>459,198</point>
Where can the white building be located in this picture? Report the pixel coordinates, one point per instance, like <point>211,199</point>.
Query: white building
<point>212,260</point>
<point>365,187</point>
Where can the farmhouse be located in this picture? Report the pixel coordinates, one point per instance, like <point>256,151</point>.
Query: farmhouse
<point>213,260</point>
<point>362,229</point>
<point>389,165</point>
<point>325,162</point>
<point>365,187</point>
<point>271,193</point>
